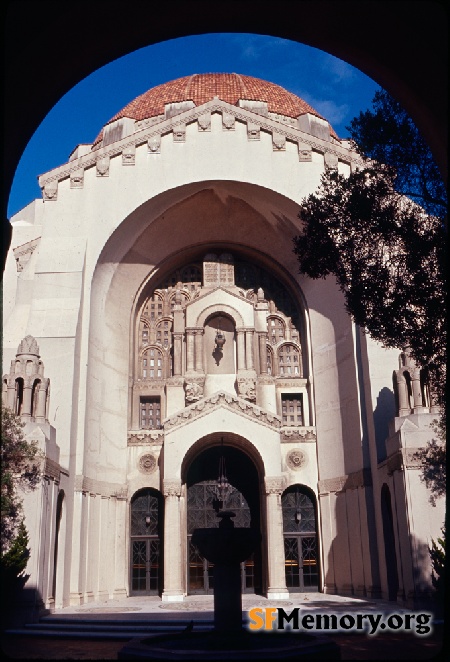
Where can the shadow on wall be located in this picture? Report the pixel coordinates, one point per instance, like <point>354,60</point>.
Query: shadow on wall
<point>384,413</point>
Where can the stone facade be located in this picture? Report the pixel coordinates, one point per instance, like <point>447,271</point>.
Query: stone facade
<point>156,278</point>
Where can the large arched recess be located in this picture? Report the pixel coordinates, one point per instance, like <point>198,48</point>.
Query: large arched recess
<point>410,61</point>
<point>173,226</point>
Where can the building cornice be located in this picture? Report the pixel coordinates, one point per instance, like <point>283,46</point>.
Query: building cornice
<point>177,125</point>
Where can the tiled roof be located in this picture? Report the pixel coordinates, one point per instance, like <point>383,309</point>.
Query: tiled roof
<point>201,88</point>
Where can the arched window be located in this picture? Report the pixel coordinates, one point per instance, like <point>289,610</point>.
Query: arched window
<point>277,330</point>
<point>300,539</point>
<point>34,397</point>
<point>269,361</point>
<point>19,396</point>
<point>152,364</point>
<point>289,361</point>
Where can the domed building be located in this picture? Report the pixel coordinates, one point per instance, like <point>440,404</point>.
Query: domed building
<point>170,360</point>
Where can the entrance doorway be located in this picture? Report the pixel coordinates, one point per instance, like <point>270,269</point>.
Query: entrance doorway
<point>145,548</point>
<point>203,506</point>
<point>300,540</point>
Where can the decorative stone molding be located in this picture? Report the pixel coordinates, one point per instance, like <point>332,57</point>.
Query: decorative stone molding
<point>230,402</point>
<point>175,381</point>
<point>160,126</point>
<point>305,435</point>
<point>154,145</point>
<point>304,153</point>
<point>77,178</point>
<point>275,484</point>
<point>265,379</point>
<point>149,385</point>
<point>179,133</point>
<point>246,388</point>
<point>204,122</point>
<point>28,345</point>
<point>102,488</point>
<point>228,121</point>
<point>361,478</point>
<point>129,155</point>
<point>405,458</point>
<point>145,438</point>
<point>296,459</point>
<point>52,469</point>
<point>50,191</point>
<point>147,463</point>
<point>331,161</point>
<point>278,142</point>
<point>23,253</point>
<point>172,488</point>
<point>102,166</point>
<point>253,131</point>
<point>194,389</point>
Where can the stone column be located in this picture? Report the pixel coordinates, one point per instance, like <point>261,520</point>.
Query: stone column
<point>41,401</point>
<point>417,391</point>
<point>121,562</point>
<point>263,353</point>
<point>402,389</point>
<point>26,404</point>
<point>177,354</point>
<point>240,349</point>
<point>190,350</point>
<point>11,398</point>
<point>173,590</point>
<point>249,348</point>
<point>275,540</point>
<point>199,350</point>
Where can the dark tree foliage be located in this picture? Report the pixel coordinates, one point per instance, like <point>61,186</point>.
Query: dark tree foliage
<point>387,134</point>
<point>388,258</point>
<point>20,470</point>
<point>437,554</point>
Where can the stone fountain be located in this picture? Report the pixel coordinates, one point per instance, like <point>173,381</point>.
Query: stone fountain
<point>227,547</point>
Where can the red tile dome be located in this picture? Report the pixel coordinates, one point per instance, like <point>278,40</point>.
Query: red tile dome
<point>200,88</point>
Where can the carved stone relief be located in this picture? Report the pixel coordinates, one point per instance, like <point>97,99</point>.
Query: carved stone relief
<point>77,178</point>
<point>204,122</point>
<point>194,390</point>
<point>147,463</point>
<point>154,145</point>
<point>179,133</point>
<point>228,121</point>
<point>278,142</point>
<point>50,191</point>
<point>129,155</point>
<point>102,166</point>
<point>296,459</point>
<point>246,388</point>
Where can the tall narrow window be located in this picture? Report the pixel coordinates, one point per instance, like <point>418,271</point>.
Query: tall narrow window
<point>292,409</point>
<point>150,413</point>
<point>289,361</point>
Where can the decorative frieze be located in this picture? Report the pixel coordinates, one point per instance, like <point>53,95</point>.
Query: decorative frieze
<point>145,438</point>
<point>230,402</point>
<point>275,484</point>
<point>305,435</point>
<point>172,488</point>
<point>405,458</point>
<point>330,160</point>
<point>296,459</point>
<point>147,463</point>
<point>102,166</point>
<point>153,128</point>
<point>361,478</point>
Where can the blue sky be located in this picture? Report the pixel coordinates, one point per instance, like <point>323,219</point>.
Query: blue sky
<point>334,88</point>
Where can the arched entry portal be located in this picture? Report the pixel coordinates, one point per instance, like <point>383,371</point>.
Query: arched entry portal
<point>203,505</point>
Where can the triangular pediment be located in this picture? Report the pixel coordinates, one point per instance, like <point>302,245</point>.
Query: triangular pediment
<point>222,400</point>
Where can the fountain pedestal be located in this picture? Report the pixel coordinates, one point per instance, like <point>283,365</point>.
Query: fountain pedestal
<point>227,548</point>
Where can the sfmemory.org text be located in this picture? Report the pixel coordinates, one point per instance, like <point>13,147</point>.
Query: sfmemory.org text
<point>276,618</point>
